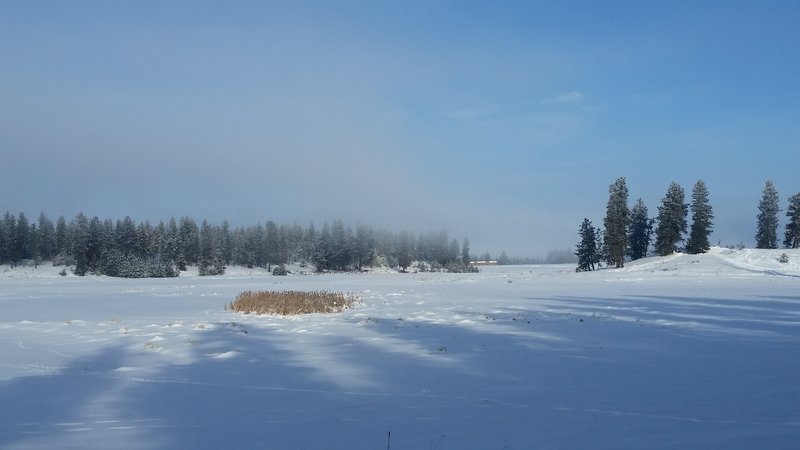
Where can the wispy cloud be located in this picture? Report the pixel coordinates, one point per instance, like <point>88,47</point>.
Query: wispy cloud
<point>569,97</point>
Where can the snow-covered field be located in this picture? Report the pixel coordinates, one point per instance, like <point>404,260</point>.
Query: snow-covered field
<point>688,351</point>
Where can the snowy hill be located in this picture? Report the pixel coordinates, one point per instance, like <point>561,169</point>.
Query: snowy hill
<point>686,351</point>
<point>722,261</point>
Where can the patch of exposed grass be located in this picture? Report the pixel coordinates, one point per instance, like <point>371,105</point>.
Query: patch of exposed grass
<point>292,302</point>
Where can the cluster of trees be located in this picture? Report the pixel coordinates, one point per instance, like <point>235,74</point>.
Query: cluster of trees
<point>767,220</point>
<point>128,249</point>
<point>628,232</point>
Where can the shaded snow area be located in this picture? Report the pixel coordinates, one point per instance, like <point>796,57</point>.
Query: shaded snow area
<point>688,352</point>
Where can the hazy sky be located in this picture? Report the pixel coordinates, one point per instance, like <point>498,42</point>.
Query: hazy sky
<point>501,121</point>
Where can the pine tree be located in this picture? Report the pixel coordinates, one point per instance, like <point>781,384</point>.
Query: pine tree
<point>465,258</point>
<point>8,228</point>
<point>701,220</point>
<point>45,240</point>
<point>188,242</point>
<point>587,252</point>
<point>503,259</point>
<point>767,227</point>
<point>61,246</point>
<point>94,246</point>
<point>80,243</point>
<point>640,231</point>
<point>404,246</point>
<point>671,220</point>
<point>209,260</point>
<point>616,222</point>
<point>22,239</point>
<point>323,252</point>
<point>792,233</point>
<point>271,245</point>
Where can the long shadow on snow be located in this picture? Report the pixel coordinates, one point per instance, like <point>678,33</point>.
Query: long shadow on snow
<point>58,411</point>
<point>251,385</point>
<point>266,382</point>
<point>724,318</point>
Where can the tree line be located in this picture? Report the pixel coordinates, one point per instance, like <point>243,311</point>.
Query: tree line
<point>628,232</point>
<point>125,248</point>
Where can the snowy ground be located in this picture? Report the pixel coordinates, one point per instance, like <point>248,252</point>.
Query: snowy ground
<point>679,352</point>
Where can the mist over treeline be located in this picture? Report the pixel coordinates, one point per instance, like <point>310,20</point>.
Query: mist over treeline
<point>562,256</point>
<point>126,248</point>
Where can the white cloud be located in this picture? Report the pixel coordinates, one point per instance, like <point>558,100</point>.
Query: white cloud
<point>569,97</point>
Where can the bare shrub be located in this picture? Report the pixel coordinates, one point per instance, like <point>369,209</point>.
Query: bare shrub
<point>292,302</point>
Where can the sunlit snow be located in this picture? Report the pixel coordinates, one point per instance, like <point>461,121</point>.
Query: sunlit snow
<point>687,351</point>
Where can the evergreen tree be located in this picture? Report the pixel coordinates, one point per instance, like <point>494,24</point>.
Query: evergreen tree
<point>640,231</point>
<point>323,249</point>
<point>365,248</point>
<point>792,234</point>
<point>404,245</point>
<point>586,250</point>
<point>188,242</point>
<point>465,257</point>
<point>455,252</point>
<point>8,228</point>
<point>94,246</point>
<point>340,257</point>
<point>503,259</point>
<point>125,235</point>
<point>227,243</point>
<point>46,239</point>
<point>671,220</point>
<point>308,244</point>
<point>61,246</point>
<point>767,228</point>
<point>616,222</point>
<point>21,249</point>
<point>701,220</point>
<point>33,245</point>
<point>209,260</point>
<point>80,243</point>
<point>271,245</point>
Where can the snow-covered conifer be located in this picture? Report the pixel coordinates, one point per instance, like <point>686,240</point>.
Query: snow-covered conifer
<point>792,234</point>
<point>767,220</point>
<point>587,251</point>
<point>616,222</point>
<point>701,220</point>
<point>640,231</point>
<point>671,220</point>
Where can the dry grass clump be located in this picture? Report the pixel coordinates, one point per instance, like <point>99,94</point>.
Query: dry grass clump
<point>292,302</point>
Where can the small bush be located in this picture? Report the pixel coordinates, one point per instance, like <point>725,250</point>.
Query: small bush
<point>783,259</point>
<point>280,271</point>
<point>292,302</point>
<point>62,259</point>
<point>210,270</point>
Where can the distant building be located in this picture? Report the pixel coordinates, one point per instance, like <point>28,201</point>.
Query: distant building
<point>491,262</point>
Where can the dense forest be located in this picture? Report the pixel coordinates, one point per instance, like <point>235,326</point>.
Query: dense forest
<point>125,248</point>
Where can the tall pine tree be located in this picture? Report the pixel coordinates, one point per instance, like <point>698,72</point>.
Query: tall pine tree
<point>792,234</point>
<point>616,222</point>
<point>671,220</point>
<point>587,251</point>
<point>640,231</point>
<point>701,220</point>
<point>767,226</point>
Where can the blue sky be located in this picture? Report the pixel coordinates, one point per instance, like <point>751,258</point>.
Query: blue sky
<point>501,121</point>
